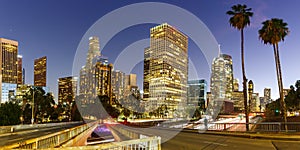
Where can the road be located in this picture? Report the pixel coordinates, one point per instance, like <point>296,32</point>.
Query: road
<point>197,141</point>
<point>187,140</point>
<point>16,137</point>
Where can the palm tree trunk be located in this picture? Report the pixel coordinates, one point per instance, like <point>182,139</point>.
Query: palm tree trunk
<point>280,84</point>
<point>244,81</point>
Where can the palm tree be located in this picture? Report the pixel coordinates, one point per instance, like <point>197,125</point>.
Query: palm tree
<point>239,20</point>
<point>272,32</point>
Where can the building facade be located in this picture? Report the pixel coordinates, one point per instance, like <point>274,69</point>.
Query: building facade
<point>8,56</point>
<point>221,83</point>
<point>20,70</point>
<point>103,72</point>
<point>118,84</point>
<point>168,68</point>
<point>267,96</point>
<point>146,81</point>
<point>197,90</point>
<point>40,71</point>
<point>67,89</point>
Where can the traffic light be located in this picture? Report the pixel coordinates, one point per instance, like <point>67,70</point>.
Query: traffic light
<point>276,112</point>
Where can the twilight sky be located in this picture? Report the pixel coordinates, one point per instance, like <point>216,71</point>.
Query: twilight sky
<point>55,28</point>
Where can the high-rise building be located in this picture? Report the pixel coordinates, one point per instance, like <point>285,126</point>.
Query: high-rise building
<point>9,52</point>
<point>130,85</point>
<point>197,90</point>
<point>20,70</point>
<point>87,73</point>
<point>221,83</point>
<point>267,95</point>
<point>40,71</point>
<point>222,77</point>
<point>118,84</point>
<point>8,56</point>
<point>102,75</point>
<point>146,73</point>
<point>168,68</point>
<point>67,89</point>
<point>236,85</point>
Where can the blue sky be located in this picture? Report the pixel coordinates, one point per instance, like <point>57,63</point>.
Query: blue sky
<point>55,28</point>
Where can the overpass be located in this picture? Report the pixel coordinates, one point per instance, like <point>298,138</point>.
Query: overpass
<point>156,137</point>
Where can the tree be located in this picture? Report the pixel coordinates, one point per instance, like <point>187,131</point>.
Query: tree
<point>239,20</point>
<point>272,32</point>
<point>10,114</point>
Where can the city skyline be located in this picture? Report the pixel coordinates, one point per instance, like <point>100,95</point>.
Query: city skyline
<point>35,41</point>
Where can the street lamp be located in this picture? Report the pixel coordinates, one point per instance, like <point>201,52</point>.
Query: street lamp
<point>32,107</point>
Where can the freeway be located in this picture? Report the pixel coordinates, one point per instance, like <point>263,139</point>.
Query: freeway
<point>187,140</point>
<point>194,141</point>
<point>16,137</point>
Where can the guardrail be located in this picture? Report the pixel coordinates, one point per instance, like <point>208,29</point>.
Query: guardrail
<point>9,129</point>
<point>140,140</point>
<point>254,127</point>
<point>52,140</point>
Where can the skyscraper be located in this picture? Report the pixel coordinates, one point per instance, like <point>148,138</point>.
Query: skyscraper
<point>67,88</point>
<point>102,75</point>
<point>118,84</point>
<point>221,85</point>
<point>168,68</point>
<point>20,70</point>
<point>8,63</point>
<point>130,85</point>
<point>197,90</point>
<point>146,73</point>
<point>236,85</point>
<point>9,52</point>
<point>40,71</point>
<point>87,72</point>
<point>267,95</point>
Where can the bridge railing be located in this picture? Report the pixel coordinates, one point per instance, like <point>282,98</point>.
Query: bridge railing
<point>52,140</point>
<point>140,140</point>
<point>9,129</point>
<point>255,127</point>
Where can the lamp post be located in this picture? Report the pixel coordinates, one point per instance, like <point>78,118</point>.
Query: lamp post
<point>32,107</point>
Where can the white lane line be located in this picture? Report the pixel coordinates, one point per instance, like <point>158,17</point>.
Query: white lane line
<point>207,142</point>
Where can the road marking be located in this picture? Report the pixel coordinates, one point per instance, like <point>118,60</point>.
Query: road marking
<point>207,142</point>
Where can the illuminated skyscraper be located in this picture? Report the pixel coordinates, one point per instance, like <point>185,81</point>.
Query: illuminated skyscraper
<point>20,70</point>
<point>168,68</point>
<point>118,84</point>
<point>87,72</point>
<point>8,63</point>
<point>102,83</point>
<point>67,88</point>
<point>221,84</point>
<point>236,85</point>
<point>9,52</point>
<point>40,71</point>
